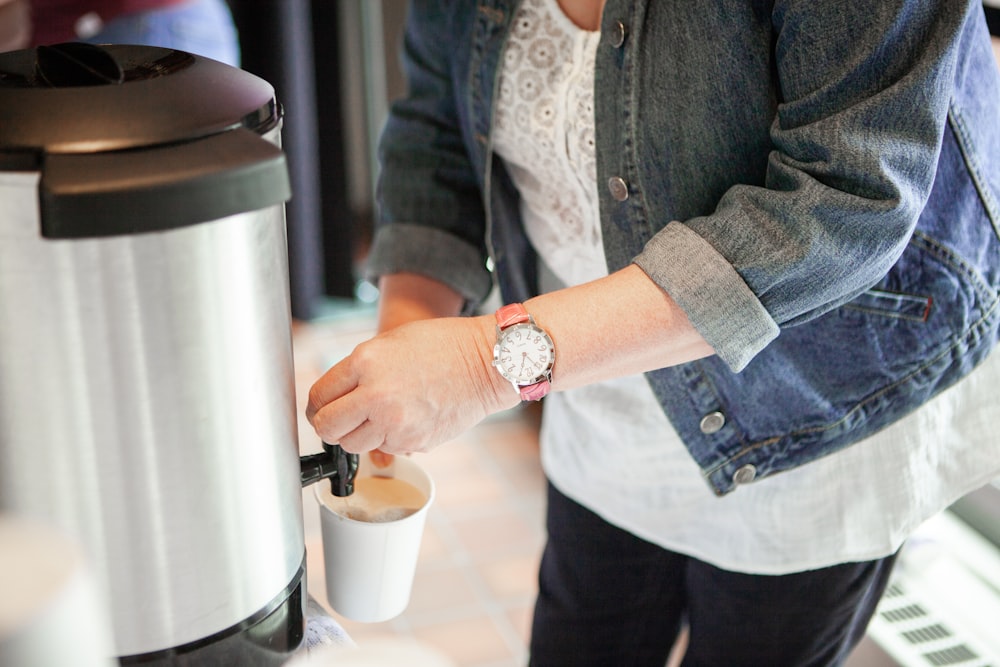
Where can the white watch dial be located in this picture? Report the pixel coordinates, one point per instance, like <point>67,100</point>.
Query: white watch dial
<point>524,354</point>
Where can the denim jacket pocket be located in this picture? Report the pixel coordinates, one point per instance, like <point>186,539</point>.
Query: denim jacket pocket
<point>913,307</point>
<point>930,305</point>
<point>825,384</point>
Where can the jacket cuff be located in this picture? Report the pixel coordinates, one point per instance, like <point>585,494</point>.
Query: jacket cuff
<point>720,305</point>
<point>401,247</point>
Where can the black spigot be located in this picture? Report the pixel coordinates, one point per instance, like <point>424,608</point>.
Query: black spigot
<point>335,464</point>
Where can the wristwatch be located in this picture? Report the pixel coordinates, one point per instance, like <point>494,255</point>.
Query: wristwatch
<point>524,353</point>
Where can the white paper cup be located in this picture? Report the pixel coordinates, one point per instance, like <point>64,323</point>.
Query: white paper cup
<point>370,566</point>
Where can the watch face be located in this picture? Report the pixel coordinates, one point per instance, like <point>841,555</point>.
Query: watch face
<point>524,354</point>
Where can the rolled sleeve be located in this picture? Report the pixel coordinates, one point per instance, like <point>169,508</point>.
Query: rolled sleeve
<point>433,253</point>
<point>726,312</point>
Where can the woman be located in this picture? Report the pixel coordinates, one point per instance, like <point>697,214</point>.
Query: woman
<point>760,242</point>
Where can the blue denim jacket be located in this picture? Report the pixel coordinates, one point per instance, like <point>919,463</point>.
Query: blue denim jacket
<point>815,183</point>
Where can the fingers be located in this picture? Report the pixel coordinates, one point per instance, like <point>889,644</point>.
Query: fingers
<point>367,437</point>
<point>335,383</point>
<point>381,459</point>
<point>350,422</point>
<point>343,420</point>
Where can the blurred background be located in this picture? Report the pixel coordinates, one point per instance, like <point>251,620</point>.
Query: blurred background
<point>335,65</point>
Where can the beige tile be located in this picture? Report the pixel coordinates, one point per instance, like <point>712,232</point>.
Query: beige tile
<point>502,533</point>
<point>438,589</point>
<point>387,650</point>
<point>457,459</point>
<point>512,578</point>
<point>468,490</point>
<point>368,633</point>
<point>520,619</point>
<point>470,642</point>
<point>509,441</point>
<point>525,479</point>
<point>433,549</point>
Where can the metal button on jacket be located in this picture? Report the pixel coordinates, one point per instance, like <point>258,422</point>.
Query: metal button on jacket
<point>618,33</point>
<point>618,188</point>
<point>712,423</point>
<point>745,474</point>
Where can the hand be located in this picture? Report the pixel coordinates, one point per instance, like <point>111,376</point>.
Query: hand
<point>411,388</point>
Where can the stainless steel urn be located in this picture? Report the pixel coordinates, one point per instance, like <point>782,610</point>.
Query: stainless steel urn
<point>147,403</point>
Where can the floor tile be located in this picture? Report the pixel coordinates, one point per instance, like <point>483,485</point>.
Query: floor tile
<point>433,549</point>
<point>468,489</point>
<point>470,642</point>
<point>511,578</point>
<point>500,533</point>
<point>520,619</point>
<point>440,589</point>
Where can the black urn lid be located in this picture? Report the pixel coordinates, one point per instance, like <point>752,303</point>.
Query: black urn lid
<point>78,98</point>
<point>134,139</point>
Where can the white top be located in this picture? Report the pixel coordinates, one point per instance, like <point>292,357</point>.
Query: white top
<point>544,130</point>
<point>610,447</point>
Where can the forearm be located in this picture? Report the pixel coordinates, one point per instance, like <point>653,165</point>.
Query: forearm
<point>407,297</point>
<point>428,377</point>
<point>619,325</point>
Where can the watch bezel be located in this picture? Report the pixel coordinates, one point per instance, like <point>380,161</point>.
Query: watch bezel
<point>544,374</point>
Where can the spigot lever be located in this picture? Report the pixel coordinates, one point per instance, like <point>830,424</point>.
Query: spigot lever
<point>335,464</point>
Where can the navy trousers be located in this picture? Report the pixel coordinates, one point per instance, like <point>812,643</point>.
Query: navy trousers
<point>609,598</point>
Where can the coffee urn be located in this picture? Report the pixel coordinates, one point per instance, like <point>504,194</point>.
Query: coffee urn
<point>147,402</point>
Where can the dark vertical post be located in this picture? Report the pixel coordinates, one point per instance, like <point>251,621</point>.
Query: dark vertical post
<point>340,220</point>
<point>277,45</point>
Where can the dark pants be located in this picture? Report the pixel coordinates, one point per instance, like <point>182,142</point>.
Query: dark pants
<point>609,598</point>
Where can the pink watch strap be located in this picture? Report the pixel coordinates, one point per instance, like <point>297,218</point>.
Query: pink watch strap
<point>512,313</point>
<point>535,392</point>
<point>516,313</point>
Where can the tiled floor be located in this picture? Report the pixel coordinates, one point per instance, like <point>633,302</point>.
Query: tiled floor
<point>475,581</point>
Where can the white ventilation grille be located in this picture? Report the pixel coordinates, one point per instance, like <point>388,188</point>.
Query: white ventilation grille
<point>910,632</point>
<point>942,608</point>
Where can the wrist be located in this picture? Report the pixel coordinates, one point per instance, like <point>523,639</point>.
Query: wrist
<point>524,354</point>
<point>499,394</point>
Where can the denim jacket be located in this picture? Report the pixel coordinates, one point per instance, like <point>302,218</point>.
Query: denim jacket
<point>816,184</point>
